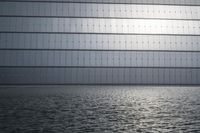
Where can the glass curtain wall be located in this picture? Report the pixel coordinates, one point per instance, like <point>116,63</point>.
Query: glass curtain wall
<point>150,42</point>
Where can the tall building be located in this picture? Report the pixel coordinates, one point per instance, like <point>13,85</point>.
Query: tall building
<point>151,42</point>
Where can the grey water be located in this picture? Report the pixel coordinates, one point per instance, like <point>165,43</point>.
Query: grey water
<point>84,109</point>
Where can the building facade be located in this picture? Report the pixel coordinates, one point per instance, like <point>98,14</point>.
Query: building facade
<point>138,42</point>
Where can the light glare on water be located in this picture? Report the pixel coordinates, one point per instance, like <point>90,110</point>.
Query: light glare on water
<point>100,109</point>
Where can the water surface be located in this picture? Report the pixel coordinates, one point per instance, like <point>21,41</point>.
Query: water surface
<point>74,109</point>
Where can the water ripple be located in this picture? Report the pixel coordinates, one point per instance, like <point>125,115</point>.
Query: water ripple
<point>100,109</point>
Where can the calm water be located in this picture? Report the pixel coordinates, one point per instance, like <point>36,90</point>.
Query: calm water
<point>74,109</point>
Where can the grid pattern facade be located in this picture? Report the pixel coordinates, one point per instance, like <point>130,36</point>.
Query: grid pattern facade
<point>139,42</point>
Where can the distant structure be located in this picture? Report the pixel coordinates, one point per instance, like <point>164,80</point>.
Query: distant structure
<point>138,42</point>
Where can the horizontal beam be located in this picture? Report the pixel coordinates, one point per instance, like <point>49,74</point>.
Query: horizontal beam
<point>94,33</point>
<point>101,67</point>
<point>94,2</point>
<point>98,84</point>
<point>31,16</point>
<point>120,50</point>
